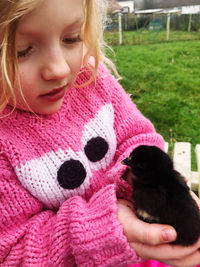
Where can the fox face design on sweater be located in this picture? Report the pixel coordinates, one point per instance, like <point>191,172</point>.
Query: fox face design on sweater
<point>59,175</point>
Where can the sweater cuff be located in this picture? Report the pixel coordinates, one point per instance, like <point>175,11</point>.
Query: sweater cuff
<point>97,237</point>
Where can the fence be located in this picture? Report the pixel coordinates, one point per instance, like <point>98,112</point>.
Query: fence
<point>152,27</point>
<point>182,163</point>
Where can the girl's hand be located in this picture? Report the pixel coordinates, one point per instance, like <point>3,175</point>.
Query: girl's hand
<point>150,241</point>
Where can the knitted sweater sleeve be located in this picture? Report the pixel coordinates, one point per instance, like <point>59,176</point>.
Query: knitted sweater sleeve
<point>80,233</point>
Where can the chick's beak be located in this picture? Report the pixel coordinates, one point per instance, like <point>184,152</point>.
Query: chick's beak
<point>127,161</point>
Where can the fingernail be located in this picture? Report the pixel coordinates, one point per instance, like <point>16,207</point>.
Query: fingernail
<point>168,234</point>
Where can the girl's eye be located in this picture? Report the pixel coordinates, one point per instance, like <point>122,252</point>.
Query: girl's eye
<point>24,52</point>
<point>72,40</point>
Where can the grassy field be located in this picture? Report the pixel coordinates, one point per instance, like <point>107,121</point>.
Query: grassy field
<point>164,80</point>
<point>145,37</point>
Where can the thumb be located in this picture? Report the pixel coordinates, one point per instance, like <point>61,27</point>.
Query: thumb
<point>152,234</point>
<point>138,231</point>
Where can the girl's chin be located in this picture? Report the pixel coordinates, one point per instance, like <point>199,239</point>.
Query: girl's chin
<point>44,110</point>
<point>41,106</point>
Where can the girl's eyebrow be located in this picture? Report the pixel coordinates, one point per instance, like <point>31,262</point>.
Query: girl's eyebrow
<point>76,22</point>
<point>24,30</point>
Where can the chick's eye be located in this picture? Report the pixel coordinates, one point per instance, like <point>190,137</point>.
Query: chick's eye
<point>72,40</point>
<point>25,52</point>
<point>140,165</point>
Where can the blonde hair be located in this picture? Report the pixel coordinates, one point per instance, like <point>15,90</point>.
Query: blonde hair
<point>11,11</point>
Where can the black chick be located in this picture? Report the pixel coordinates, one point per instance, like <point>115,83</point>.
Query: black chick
<point>161,195</point>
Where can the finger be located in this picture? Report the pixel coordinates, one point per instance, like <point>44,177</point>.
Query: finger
<point>189,261</point>
<point>197,200</point>
<point>123,202</point>
<point>164,252</point>
<point>138,231</point>
<point>152,234</point>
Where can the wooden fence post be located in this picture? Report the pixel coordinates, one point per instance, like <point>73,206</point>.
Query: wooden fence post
<point>120,27</point>
<point>168,25</point>
<point>190,22</point>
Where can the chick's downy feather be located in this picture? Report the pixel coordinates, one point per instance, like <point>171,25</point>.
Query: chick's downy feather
<point>161,195</point>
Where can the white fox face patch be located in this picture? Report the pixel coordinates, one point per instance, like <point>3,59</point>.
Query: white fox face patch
<point>59,175</point>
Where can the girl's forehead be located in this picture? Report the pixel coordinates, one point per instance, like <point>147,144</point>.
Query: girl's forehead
<point>52,14</point>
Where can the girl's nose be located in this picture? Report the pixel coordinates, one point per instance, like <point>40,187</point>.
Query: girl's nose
<point>55,66</point>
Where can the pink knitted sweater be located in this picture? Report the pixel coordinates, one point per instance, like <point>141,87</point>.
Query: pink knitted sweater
<point>60,176</point>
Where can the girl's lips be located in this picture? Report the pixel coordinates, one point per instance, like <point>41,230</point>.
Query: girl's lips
<point>55,94</point>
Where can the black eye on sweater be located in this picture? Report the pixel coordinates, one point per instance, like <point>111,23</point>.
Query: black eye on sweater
<point>96,148</point>
<point>71,174</point>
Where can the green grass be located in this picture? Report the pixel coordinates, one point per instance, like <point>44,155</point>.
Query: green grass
<point>145,37</point>
<point>164,80</point>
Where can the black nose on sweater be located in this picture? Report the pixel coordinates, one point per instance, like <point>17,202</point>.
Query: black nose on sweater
<point>71,174</point>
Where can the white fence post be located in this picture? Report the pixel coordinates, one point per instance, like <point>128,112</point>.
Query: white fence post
<point>197,150</point>
<point>182,159</point>
<point>182,163</point>
<point>168,25</point>
<point>120,27</point>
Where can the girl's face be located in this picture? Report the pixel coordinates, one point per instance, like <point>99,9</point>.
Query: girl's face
<point>50,52</point>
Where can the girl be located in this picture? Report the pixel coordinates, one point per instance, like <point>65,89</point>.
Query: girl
<point>65,126</point>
